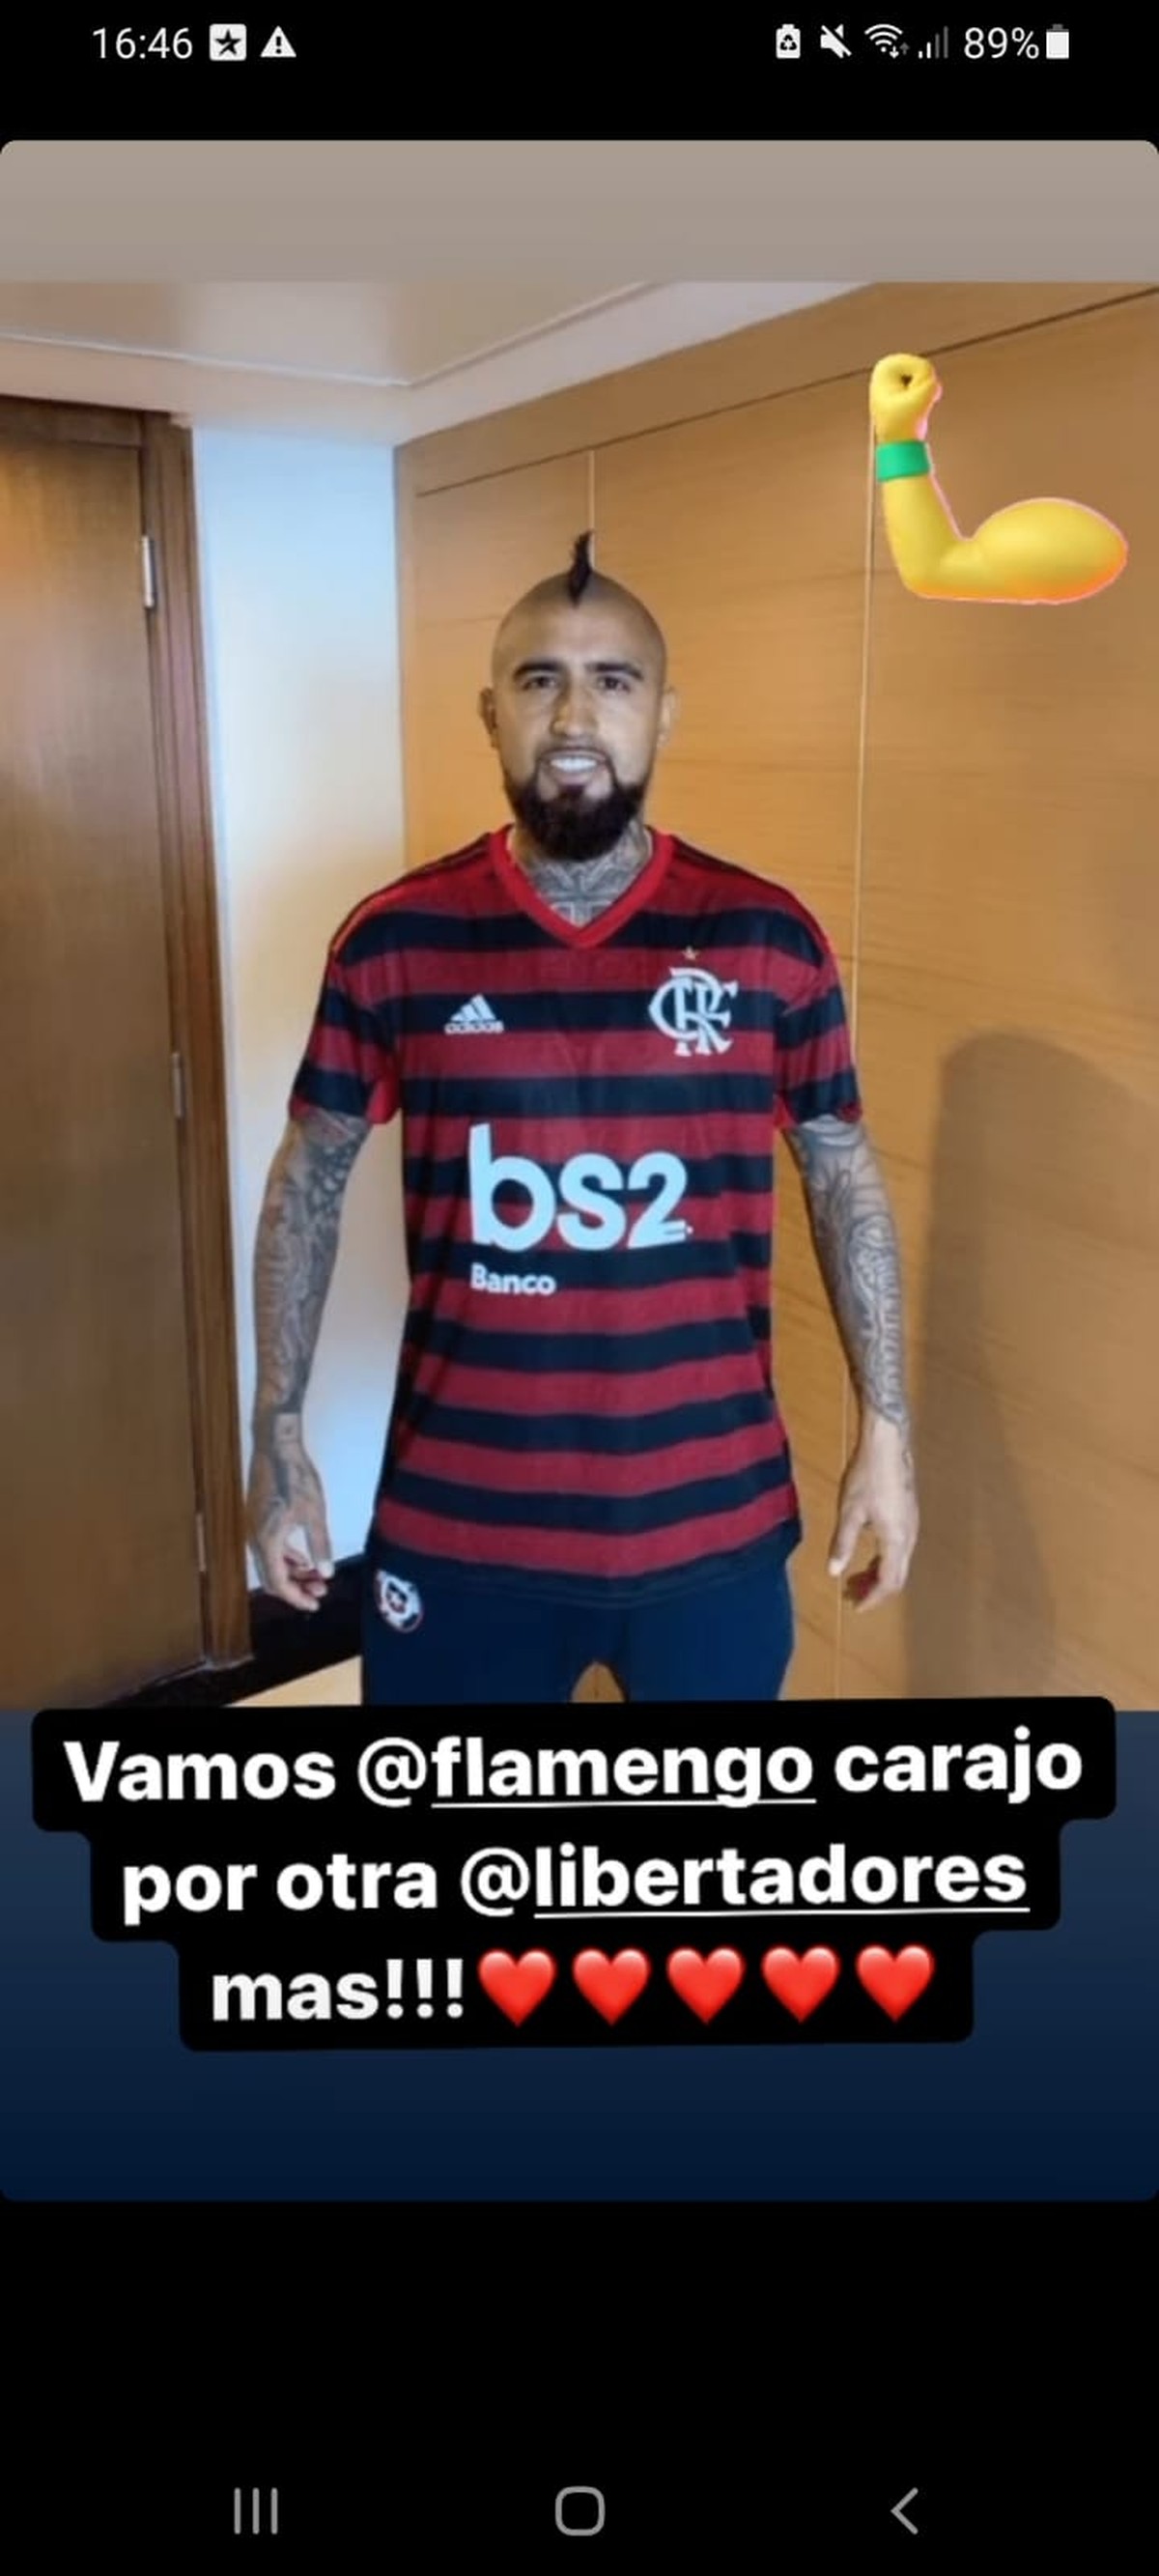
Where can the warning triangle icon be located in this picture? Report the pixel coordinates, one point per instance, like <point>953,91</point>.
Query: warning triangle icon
<point>279,44</point>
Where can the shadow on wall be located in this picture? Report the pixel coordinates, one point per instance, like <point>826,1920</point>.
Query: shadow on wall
<point>1037,1403</point>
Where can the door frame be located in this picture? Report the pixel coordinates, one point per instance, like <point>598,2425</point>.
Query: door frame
<point>193,968</point>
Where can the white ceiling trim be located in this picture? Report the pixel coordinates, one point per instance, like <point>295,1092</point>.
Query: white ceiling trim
<point>625,331</point>
<point>287,374</point>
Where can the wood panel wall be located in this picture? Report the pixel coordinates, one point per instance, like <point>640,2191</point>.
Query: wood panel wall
<point>965,795</point>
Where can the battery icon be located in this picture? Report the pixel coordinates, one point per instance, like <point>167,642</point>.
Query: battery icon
<point>1057,44</point>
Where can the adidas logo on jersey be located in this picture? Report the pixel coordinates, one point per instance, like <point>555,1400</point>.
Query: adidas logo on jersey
<point>476,1019</point>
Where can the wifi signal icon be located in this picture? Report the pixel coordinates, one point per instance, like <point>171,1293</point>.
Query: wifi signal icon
<point>886,39</point>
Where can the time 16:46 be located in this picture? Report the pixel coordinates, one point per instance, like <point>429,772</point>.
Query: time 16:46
<point>126,44</point>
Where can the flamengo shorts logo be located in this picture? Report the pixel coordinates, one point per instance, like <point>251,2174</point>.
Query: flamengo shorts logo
<point>591,1190</point>
<point>399,1602</point>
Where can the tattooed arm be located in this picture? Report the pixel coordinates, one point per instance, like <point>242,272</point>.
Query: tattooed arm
<point>297,1241</point>
<point>856,1244</point>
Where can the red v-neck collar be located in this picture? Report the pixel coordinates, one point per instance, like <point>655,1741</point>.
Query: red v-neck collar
<point>522,892</point>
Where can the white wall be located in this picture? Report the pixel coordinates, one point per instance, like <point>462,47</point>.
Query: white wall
<point>299,604</point>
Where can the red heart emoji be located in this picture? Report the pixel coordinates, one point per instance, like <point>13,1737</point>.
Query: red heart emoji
<point>705,1984</point>
<point>800,1983</point>
<point>611,1984</point>
<point>895,1983</point>
<point>516,1985</point>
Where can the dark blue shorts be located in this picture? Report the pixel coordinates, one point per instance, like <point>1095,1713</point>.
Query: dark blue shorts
<point>433,1637</point>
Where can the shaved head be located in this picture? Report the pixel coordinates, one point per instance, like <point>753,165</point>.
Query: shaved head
<point>583,584</point>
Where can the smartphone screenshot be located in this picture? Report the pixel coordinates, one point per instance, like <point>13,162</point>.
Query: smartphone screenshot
<point>579,1776</point>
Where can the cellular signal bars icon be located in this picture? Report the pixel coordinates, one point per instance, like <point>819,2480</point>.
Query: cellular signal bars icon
<point>937,47</point>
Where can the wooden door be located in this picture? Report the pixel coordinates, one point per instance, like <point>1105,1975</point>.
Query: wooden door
<point>101,1588</point>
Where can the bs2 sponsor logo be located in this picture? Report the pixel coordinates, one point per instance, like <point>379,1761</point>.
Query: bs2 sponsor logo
<point>586,1206</point>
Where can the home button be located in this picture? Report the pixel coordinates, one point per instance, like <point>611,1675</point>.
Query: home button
<point>579,2512</point>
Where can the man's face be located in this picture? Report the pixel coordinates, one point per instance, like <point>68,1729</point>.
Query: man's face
<point>576,711</point>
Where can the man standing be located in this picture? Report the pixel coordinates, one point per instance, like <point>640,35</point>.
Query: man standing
<point>593,1032</point>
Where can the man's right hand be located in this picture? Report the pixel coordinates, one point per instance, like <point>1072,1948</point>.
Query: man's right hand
<point>286,1517</point>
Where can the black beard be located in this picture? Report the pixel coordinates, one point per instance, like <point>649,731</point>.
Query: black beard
<point>566,826</point>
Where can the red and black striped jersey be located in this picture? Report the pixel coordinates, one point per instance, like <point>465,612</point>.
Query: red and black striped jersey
<point>585,1402</point>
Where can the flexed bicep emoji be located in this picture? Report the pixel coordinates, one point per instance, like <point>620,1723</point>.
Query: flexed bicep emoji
<point>1034,554</point>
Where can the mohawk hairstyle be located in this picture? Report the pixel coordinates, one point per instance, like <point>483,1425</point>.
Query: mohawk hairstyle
<point>583,580</point>
<point>582,567</point>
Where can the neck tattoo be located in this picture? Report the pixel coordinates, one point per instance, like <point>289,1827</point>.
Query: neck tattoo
<point>580,889</point>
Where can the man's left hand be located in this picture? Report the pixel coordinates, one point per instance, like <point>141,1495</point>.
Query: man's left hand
<point>878,1493</point>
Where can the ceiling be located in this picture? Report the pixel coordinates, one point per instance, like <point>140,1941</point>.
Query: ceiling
<point>380,361</point>
<point>384,335</point>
